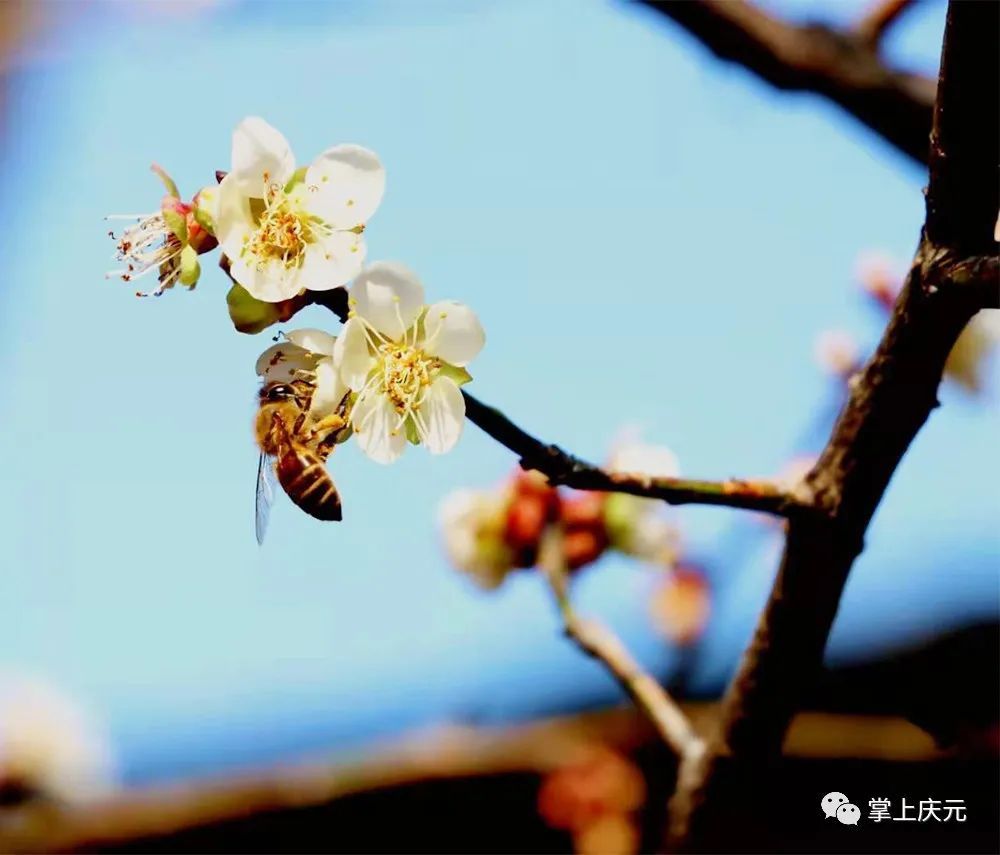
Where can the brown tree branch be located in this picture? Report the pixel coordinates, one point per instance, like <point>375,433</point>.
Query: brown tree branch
<point>843,66</point>
<point>562,468</point>
<point>143,818</point>
<point>953,275</point>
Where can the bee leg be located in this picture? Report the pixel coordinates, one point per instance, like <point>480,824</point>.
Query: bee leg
<point>328,425</point>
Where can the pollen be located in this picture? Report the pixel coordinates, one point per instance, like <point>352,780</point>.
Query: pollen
<point>406,372</point>
<point>284,231</point>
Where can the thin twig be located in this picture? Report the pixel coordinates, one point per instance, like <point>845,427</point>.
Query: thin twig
<point>565,469</point>
<point>840,65</point>
<point>879,19</point>
<point>602,644</point>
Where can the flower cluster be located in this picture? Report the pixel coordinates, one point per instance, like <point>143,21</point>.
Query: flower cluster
<point>288,234</point>
<point>489,533</point>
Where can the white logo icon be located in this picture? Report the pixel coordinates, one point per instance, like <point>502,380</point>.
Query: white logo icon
<point>849,814</point>
<point>832,801</point>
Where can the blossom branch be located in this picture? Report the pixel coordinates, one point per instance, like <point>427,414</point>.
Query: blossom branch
<point>843,66</point>
<point>563,468</point>
<point>954,275</point>
<point>600,643</point>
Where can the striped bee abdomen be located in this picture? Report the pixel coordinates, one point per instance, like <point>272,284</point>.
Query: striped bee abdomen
<point>305,479</point>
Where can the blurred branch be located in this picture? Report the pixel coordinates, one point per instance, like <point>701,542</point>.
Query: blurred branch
<point>880,18</point>
<point>843,66</point>
<point>954,275</point>
<point>137,818</point>
<point>602,644</point>
<point>562,468</point>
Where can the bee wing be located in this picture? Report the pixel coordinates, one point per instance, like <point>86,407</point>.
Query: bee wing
<point>266,483</point>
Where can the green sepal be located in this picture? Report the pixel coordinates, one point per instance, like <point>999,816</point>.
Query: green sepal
<point>250,315</point>
<point>410,428</point>
<point>620,513</point>
<point>297,178</point>
<point>346,406</point>
<point>203,203</point>
<point>459,375</point>
<point>344,435</point>
<point>168,182</point>
<point>176,222</point>
<point>190,267</point>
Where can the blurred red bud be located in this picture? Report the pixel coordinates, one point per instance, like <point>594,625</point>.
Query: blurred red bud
<point>601,783</point>
<point>527,517</point>
<point>583,546</point>
<point>583,510</point>
<point>535,484</point>
<point>681,607</point>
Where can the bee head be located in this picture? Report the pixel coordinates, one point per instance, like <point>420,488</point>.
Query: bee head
<point>276,392</point>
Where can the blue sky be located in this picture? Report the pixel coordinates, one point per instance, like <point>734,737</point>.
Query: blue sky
<point>649,237</point>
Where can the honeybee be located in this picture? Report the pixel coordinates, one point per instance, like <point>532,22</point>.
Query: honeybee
<point>293,451</point>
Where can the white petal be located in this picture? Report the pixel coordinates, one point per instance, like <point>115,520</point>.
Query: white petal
<point>349,182</point>
<point>270,282</point>
<point>653,538</point>
<point>389,296</point>
<point>315,341</point>
<point>351,355</point>
<point>261,155</point>
<point>442,415</point>
<point>280,361</point>
<point>333,262</point>
<point>234,220</point>
<point>329,392</point>
<point>633,457</point>
<point>375,423</point>
<point>453,332</point>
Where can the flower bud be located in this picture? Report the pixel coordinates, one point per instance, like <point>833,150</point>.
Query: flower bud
<point>583,546</point>
<point>585,535</point>
<point>527,518</point>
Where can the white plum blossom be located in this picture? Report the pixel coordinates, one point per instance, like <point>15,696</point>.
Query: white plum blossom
<point>406,361</point>
<point>306,354</point>
<point>636,525</point>
<point>286,230</point>
<point>49,746</point>
<point>472,525</point>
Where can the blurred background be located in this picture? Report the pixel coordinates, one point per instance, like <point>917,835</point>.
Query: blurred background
<point>653,240</point>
